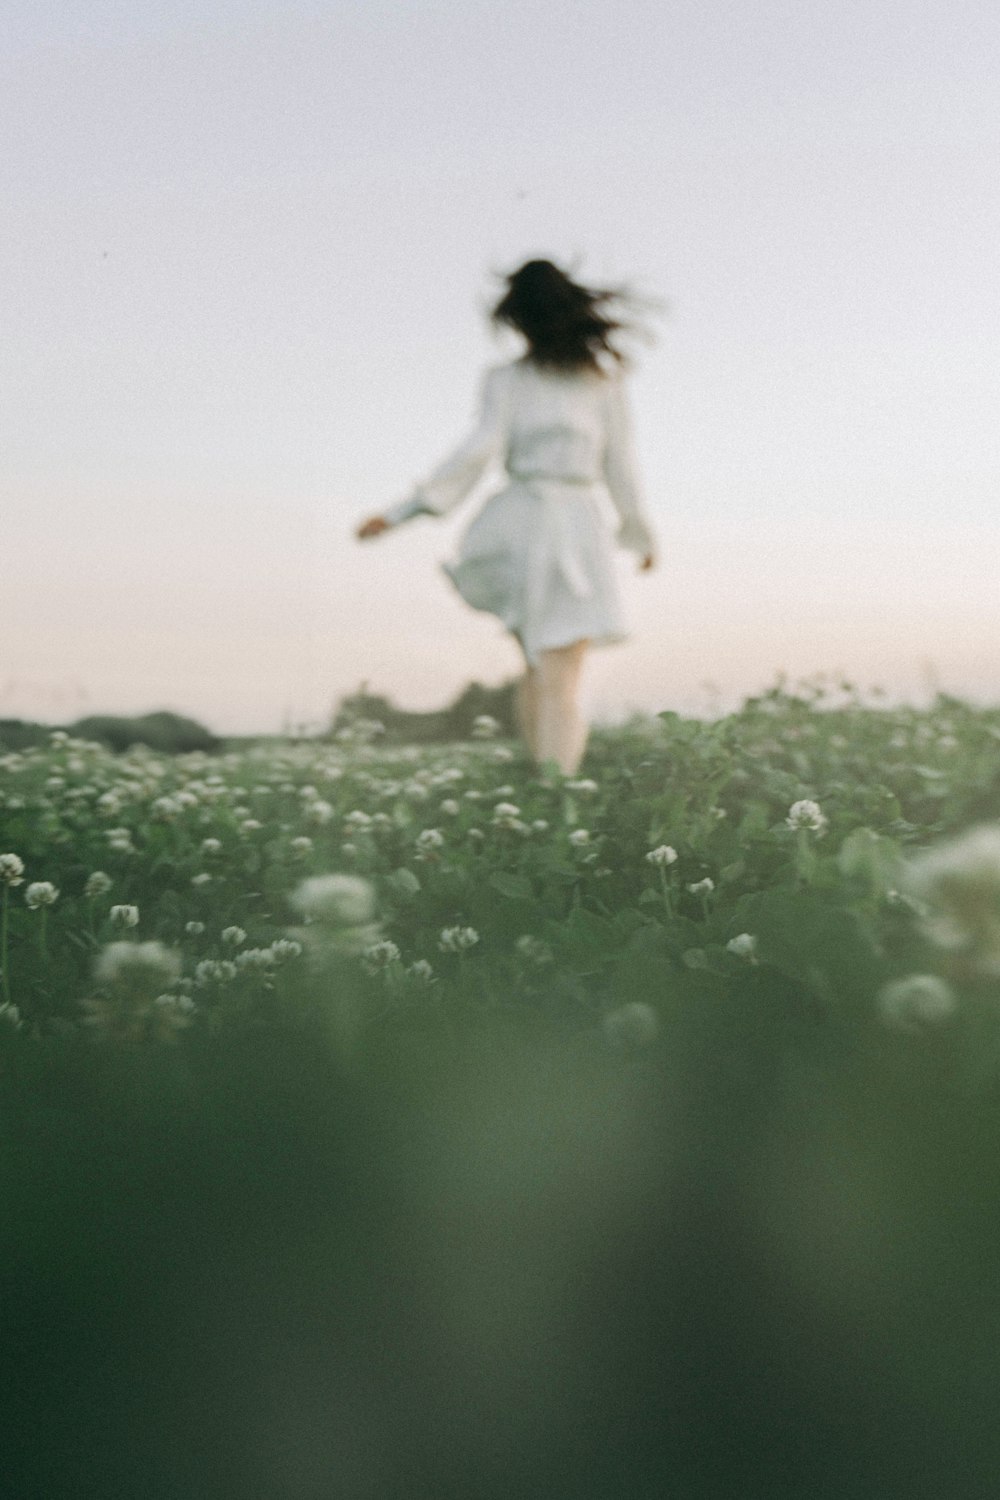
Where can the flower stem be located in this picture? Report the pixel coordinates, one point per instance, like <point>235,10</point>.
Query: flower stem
<point>665,888</point>
<point>3,943</point>
<point>804,859</point>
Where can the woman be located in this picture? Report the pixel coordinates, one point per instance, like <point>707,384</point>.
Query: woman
<point>539,553</point>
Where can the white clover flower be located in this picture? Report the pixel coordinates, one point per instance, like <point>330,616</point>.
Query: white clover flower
<point>633,1025</point>
<point>139,967</point>
<point>579,837</point>
<point>430,838</point>
<point>378,956</point>
<point>319,812</point>
<point>702,887</point>
<point>485,727</point>
<point>663,855</point>
<point>584,786</point>
<point>505,815</point>
<point>202,878</point>
<point>806,814</point>
<point>357,821</point>
<point>744,945</point>
<point>41,893</point>
<point>473,795</point>
<point>10,1016</point>
<point>959,882</point>
<point>540,825</point>
<point>120,839</point>
<point>98,884</point>
<point>109,805</point>
<point>11,869</point>
<point>251,825</point>
<point>211,846</point>
<point>261,959</point>
<point>165,809</point>
<point>916,1001</point>
<point>336,900</point>
<point>215,971</point>
<point>476,835</point>
<point>194,928</point>
<point>535,950</point>
<point>174,1011</point>
<point>349,851</point>
<point>182,1004</point>
<point>457,939</point>
<point>301,845</point>
<point>285,949</point>
<point>233,936</point>
<point>421,971</point>
<point>450,807</point>
<point>501,754</point>
<point>124,916</point>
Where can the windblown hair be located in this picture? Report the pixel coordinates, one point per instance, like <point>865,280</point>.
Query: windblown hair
<point>566,325</point>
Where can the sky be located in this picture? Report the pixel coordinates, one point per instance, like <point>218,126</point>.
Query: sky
<point>247,253</point>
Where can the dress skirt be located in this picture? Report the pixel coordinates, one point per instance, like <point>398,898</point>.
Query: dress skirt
<point>539,557</point>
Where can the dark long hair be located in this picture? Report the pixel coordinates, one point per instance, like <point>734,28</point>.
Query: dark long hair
<point>567,326</point>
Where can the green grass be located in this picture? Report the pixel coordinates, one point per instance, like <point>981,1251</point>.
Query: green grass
<point>577,1201</point>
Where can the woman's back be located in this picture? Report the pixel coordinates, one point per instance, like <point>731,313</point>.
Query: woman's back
<point>538,555</point>
<point>557,422</point>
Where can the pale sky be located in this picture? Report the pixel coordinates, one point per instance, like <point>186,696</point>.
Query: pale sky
<point>247,247</point>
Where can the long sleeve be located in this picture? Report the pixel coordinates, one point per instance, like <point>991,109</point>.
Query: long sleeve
<point>405,510</point>
<point>622,476</point>
<point>452,480</point>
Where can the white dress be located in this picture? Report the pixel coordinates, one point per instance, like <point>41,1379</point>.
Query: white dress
<point>538,555</point>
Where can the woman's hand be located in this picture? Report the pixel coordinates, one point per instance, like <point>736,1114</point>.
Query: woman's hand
<point>374,526</point>
<point>649,561</point>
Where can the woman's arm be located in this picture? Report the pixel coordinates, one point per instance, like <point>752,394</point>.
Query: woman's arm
<point>622,476</point>
<point>404,511</point>
<point>452,480</point>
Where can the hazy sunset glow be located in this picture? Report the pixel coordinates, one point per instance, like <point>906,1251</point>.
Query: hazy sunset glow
<point>248,247</point>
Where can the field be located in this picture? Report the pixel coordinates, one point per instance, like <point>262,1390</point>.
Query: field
<point>412,1122</point>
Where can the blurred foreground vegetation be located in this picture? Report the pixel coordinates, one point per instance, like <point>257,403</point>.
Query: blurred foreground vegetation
<point>393,1122</point>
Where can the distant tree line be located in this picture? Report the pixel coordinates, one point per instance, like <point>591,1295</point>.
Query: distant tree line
<point>401,727</point>
<point>170,733</point>
<point>173,734</point>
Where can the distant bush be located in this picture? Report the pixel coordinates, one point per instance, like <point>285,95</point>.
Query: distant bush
<point>167,732</point>
<point>20,734</point>
<point>439,726</point>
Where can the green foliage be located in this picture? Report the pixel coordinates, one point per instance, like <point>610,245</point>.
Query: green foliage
<point>399,726</point>
<point>570,1172</point>
<point>170,733</point>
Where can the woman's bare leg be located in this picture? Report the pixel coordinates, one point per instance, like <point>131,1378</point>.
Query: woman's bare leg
<point>526,706</point>
<point>561,732</point>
